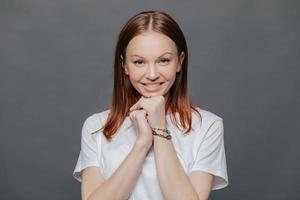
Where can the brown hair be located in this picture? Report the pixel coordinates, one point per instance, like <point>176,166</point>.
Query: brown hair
<point>125,95</point>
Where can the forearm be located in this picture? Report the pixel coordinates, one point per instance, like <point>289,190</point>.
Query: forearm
<point>173,180</point>
<point>123,180</point>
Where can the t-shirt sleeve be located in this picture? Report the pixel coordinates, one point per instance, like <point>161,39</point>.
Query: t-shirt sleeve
<point>210,156</point>
<point>88,155</point>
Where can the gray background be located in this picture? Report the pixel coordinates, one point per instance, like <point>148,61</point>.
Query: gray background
<point>56,70</point>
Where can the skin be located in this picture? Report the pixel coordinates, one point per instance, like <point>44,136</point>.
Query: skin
<point>146,62</point>
<point>151,57</point>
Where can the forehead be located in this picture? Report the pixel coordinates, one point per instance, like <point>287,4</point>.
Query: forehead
<point>151,44</point>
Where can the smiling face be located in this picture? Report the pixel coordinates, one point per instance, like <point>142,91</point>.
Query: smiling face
<point>152,63</point>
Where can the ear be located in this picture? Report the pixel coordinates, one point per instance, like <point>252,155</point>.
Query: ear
<point>123,63</point>
<point>125,69</point>
<point>181,58</point>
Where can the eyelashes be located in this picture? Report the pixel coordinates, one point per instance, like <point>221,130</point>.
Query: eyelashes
<point>137,62</point>
<point>164,61</point>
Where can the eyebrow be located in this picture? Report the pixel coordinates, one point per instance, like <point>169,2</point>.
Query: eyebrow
<point>159,56</point>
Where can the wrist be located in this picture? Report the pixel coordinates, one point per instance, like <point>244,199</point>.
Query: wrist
<point>142,146</point>
<point>161,132</point>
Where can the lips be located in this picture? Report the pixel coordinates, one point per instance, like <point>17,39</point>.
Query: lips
<point>152,87</point>
<point>153,84</point>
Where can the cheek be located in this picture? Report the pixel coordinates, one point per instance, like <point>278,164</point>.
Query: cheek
<point>135,74</point>
<point>170,73</point>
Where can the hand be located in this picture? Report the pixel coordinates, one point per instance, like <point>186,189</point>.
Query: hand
<point>155,109</point>
<point>142,128</point>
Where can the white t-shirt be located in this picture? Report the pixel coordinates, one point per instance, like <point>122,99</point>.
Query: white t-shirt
<point>202,149</point>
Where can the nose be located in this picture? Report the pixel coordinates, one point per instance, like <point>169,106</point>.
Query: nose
<point>152,72</point>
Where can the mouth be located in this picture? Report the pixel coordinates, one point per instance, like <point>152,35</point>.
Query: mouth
<point>152,87</point>
<point>153,84</point>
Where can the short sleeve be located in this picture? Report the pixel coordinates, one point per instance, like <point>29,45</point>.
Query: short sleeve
<point>211,156</point>
<point>88,155</point>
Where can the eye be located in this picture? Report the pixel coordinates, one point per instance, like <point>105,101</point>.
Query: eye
<point>138,62</point>
<point>165,60</point>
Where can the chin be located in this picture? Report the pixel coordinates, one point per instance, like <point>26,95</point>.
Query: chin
<point>152,94</point>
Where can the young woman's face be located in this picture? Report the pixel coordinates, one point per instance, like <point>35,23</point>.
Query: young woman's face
<point>152,63</point>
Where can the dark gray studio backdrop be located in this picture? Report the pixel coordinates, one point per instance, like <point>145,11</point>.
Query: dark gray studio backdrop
<point>56,70</point>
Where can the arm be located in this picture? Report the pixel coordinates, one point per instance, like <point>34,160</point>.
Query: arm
<point>121,183</point>
<point>173,181</point>
<point>203,182</point>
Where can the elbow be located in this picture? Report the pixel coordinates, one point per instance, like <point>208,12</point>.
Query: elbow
<point>88,198</point>
<point>187,197</point>
<point>92,197</point>
<point>195,198</point>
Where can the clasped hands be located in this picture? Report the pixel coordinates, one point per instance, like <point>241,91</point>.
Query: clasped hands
<point>147,113</point>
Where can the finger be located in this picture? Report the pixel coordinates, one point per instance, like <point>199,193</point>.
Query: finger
<point>143,103</point>
<point>133,107</point>
<point>137,105</point>
<point>141,113</point>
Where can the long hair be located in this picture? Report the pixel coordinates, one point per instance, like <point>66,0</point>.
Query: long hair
<point>125,95</point>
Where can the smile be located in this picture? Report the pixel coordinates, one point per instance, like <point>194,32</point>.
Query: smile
<point>152,87</point>
<point>152,84</point>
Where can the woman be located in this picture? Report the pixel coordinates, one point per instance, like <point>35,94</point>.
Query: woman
<point>152,143</point>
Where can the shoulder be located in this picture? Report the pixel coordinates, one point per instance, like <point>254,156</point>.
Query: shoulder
<point>207,119</point>
<point>207,115</point>
<point>95,121</point>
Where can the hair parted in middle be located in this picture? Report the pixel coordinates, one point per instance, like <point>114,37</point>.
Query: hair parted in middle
<point>125,95</point>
